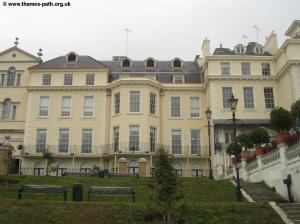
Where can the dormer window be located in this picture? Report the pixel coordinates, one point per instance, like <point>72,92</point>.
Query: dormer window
<point>178,79</point>
<point>177,63</point>
<point>150,63</point>
<point>240,49</point>
<point>72,57</point>
<point>126,63</point>
<point>259,49</point>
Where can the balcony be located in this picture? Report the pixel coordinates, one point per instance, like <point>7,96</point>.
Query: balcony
<point>143,148</point>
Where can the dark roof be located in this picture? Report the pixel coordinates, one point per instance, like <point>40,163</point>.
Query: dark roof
<point>84,62</point>
<point>242,121</point>
<point>249,51</point>
<point>163,70</point>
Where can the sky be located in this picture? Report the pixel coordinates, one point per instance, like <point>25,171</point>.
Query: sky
<point>162,29</point>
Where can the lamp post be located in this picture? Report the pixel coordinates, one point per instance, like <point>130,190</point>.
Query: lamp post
<point>208,116</point>
<point>233,103</point>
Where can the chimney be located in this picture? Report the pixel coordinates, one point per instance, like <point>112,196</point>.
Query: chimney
<point>206,47</point>
<point>271,44</point>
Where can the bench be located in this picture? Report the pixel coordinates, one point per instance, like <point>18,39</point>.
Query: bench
<point>43,189</point>
<point>111,191</point>
<point>77,174</point>
<point>123,175</point>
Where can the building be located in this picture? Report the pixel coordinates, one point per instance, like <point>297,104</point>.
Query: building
<point>116,114</point>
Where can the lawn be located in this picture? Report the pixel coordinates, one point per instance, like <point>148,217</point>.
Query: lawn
<point>209,202</point>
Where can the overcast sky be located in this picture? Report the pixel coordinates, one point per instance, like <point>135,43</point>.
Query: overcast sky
<point>163,29</point>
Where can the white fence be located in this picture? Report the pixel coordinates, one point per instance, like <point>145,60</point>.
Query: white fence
<point>272,168</point>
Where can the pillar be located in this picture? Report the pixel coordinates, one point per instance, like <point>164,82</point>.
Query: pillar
<point>123,165</point>
<point>142,167</point>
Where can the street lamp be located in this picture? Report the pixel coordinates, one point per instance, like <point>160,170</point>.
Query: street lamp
<point>208,116</point>
<point>233,103</point>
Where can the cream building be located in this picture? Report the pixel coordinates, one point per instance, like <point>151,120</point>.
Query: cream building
<point>116,114</point>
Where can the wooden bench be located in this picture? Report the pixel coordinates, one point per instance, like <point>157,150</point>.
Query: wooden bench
<point>43,189</point>
<point>111,191</point>
<point>77,174</point>
<point>123,175</point>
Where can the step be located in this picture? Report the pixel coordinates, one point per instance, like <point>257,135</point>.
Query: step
<point>290,205</point>
<point>291,211</point>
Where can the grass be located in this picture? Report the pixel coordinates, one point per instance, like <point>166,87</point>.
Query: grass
<point>209,202</point>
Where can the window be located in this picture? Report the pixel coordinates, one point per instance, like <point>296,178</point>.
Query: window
<point>178,79</point>
<point>227,92</point>
<point>11,76</point>
<point>7,110</point>
<point>88,109</point>
<point>85,167</point>
<point>229,137</point>
<point>86,140</point>
<point>38,169</point>
<point>44,106</point>
<point>41,137</point>
<point>195,107</point>
<point>18,81</point>
<point>195,142</point>
<point>134,137</point>
<point>240,49</point>
<point>196,171</point>
<point>116,135</point>
<point>225,68</point>
<point>175,106</point>
<point>46,79</point>
<point>117,103</point>
<point>61,169</point>
<point>178,170</point>
<point>152,139</point>
<point>265,69</point>
<point>63,140</point>
<point>14,111</point>
<point>246,68</point>
<point>134,101</point>
<point>72,58</point>
<point>68,79</point>
<point>150,63</point>
<point>133,167</point>
<point>152,103</point>
<point>176,141</point>
<point>66,106</point>
<point>259,49</point>
<point>126,63</point>
<point>2,79</point>
<point>269,98</point>
<point>177,63</point>
<point>248,98</point>
<point>89,79</point>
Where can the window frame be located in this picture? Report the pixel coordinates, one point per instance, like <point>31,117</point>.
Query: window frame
<point>243,69</point>
<point>224,70</point>
<point>117,103</point>
<point>266,71</point>
<point>86,144</point>
<point>116,138</point>
<point>172,108</point>
<point>46,79</point>
<point>65,108</point>
<point>153,103</point>
<point>63,142</point>
<point>225,99</point>
<point>88,110</point>
<point>197,150</point>
<point>90,79</point>
<point>194,114</point>
<point>135,102</point>
<point>248,101</point>
<point>68,79</point>
<point>40,114</point>
<point>176,148</point>
<point>269,105</point>
<point>41,143</point>
<point>134,140</point>
<point>153,138</point>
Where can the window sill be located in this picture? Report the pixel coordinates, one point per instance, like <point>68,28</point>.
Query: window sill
<point>195,118</point>
<point>153,115</point>
<point>175,118</point>
<point>64,118</point>
<point>88,118</point>
<point>135,113</point>
<point>250,110</point>
<point>116,115</point>
<point>43,117</point>
<point>9,120</point>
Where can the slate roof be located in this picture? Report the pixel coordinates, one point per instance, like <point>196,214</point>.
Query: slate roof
<point>249,51</point>
<point>84,62</point>
<point>163,70</point>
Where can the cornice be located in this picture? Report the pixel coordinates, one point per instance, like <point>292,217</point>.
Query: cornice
<point>66,88</point>
<point>239,78</point>
<point>286,66</point>
<point>68,70</point>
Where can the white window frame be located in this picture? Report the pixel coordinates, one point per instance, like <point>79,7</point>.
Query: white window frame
<point>266,99</point>
<point>69,78</point>
<point>44,110</point>
<point>41,143</point>
<point>172,108</point>
<point>196,151</point>
<point>178,79</point>
<point>117,103</point>
<point>66,111</point>
<point>153,103</point>
<point>46,80</point>
<point>243,69</point>
<point>180,146</point>
<point>225,70</point>
<point>90,79</point>
<point>266,68</point>
<point>63,140</point>
<point>194,111</point>
<point>225,102</point>
<point>134,140</point>
<point>88,110</point>
<point>248,101</point>
<point>86,144</point>
<point>116,138</point>
<point>152,138</point>
<point>135,102</point>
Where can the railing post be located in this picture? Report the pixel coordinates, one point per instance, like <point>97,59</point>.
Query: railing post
<point>245,174</point>
<point>259,162</point>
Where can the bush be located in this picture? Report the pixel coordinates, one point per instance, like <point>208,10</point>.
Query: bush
<point>295,109</point>
<point>281,119</point>
<point>245,140</point>
<point>234,148</point>
<point>259,136</point>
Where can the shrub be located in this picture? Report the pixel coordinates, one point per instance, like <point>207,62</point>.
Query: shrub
<point>295,109</point>
<point>281,119</point>
<point>245,140</point>
<point>259,136</point>
<point>234,148</point>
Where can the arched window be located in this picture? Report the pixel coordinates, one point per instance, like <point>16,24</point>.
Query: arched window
<point>133,167</point>
<point>150,63</point>
<point>126,63</point>
<point>38,169</point>
<point>196,170</point>
<point>240,49</point>
<point>7,109</point>
<point>259,49</point>
<point>71,58</point>
<point>85,167</point>
<point>11,76</point>
<point>61,169</point>
<point>178,170</point>
<point>177,63</point>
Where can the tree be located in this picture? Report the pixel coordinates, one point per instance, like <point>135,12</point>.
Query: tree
<point>245,140</point>
<point>281,119</point>
<point>295,110</point>
<point>167,199</point>
<point>49,158</point>
<point>259,136</point>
